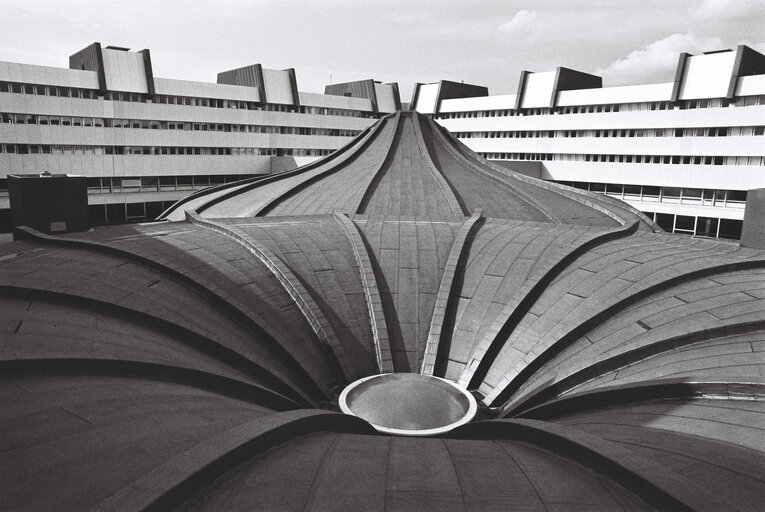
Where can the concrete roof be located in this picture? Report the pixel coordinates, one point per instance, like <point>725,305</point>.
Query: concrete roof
<point>196,364</point>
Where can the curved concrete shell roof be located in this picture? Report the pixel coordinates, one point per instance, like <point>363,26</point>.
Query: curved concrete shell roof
<point>196,364</point>
<point>407,166</point>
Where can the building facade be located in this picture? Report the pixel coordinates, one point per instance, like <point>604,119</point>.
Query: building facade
<point>144,142</point>
<point>684,152</point>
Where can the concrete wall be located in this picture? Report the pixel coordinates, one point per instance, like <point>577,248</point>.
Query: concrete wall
<point>753,233</point>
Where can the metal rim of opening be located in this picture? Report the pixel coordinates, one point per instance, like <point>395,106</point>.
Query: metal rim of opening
<point>469,415</point>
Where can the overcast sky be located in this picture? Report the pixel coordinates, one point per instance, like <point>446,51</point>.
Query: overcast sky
<point>486,42</point>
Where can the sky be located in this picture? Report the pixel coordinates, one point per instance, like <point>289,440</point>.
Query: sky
<point>485,42</point>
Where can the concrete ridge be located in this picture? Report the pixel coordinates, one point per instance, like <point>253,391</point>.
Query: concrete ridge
<point>172,483</point>
<point>448,292</point>
<point>178,332</point>
<point>293,172</point>
<point>374,131</point>
<point>660,487</point>
<point>208,191</point>
<point>219,384</point>
<point>534,398</point>
<point>369,192</point>
<point>237,314</point>
<point>294,288</point>
<point>657,389</point>
<point>456,151</point>
<point>491,345</point>
<point>587,325</point>
<point>371,293</point>
<point>569,192</point>
<point>446,189</point>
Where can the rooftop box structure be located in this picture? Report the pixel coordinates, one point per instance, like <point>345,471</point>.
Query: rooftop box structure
<point>50,203</point>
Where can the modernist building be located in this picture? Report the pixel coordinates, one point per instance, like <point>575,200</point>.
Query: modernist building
<point>145,142</point>
<point>196,364</point>
<point>684,152</point>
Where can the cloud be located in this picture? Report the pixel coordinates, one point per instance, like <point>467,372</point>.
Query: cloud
<point>523,23</point>
<point>656,61</point>
<point>730,9</point>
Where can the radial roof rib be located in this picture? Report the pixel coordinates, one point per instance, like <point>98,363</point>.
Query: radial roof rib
<point>410,256</point>
<point>342,186</point>
<point>170,484</point>
<point>609,279</point>
<point>408,186</point>
<point>335,363</point>
<point>510,265</point>
<point>249,200</point>
<point>234,296</point>
<point>487,186</point>
<point>372,296</point>
<point>447,301</point>
<point>727,295</point>
<point>201,197</point>
<point>320,255</point>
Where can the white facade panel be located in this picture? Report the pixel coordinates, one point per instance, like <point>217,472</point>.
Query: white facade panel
<point>44,75</point>
<point>687,209</point>
<point>479,103</point>
<point>538,90</point>
<point>329,101</point>
<point>668,119</point>
<point>691,146</point>
<point>714,177</point>
<point>427,98</point>
<point>124,71</point>
<point>616,95</point>
<point>278,86</point>
<point>386,101</point>
<point>750,85</point>
<point>707,76</point>
<point>189,88</point>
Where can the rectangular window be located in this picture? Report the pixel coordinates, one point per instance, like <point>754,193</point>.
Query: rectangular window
<point>665,221</point>
<point>684,223</point>
<point>650,191</point>
<point>730,228</point>
<point>706,226</point>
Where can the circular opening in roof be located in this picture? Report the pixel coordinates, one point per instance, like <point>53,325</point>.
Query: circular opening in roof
<point>408,404</point>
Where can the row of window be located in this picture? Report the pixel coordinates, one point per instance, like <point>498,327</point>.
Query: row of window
<point>697,226</point>
<point>631,159</point>
<point>718,131</point>
<point>162,99</point>
<point>121,213</point>
<point>746,101</point>
<point>49,90</point>
<point>55,149</point>
<point>152,183</point>
<point>159,183</point>
<point>697,196</point>
<point>33,119</point>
